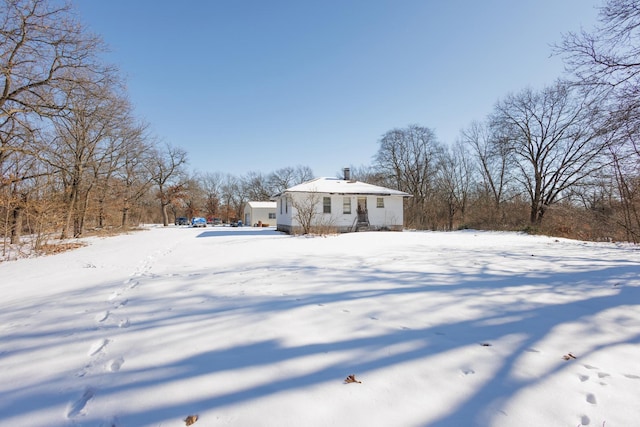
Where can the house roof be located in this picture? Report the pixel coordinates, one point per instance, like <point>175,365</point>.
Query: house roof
<point>342,186</point>
<point>262,205</point>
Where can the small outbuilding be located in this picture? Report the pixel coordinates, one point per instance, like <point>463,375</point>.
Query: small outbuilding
<point>341,205</point>
<point>263,213</point>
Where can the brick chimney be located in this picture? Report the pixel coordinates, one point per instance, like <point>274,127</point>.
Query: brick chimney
<point>347,174</point>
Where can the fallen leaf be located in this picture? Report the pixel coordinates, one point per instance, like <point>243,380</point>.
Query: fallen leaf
<point>352,379</point>
<point>569,356</point>
<point>191,419</point>
<point>485,344</point>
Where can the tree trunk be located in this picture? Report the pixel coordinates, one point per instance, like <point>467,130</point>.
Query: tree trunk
<point>451,214</point>
<point>101,213</point>
<point>125,217</point>
<point>81,215</point>
<point>73,196</point>
<point>537,212</point>
<point>165,214</point>
<point>16,224</point>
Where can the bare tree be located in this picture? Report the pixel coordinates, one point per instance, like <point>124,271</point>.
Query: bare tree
<point>493,160</point>
<point>230,190</point>
<point>306,211</point>
<point>132,180</point>
<point>284,178</point>
<point>408,159</point>
<point>194,197</point>
<point>85,142</point>
<point>606,61</point>
<point>608,57</point>
<point>625,168</point>
<point>556,140</point>
<point>42,48</point>
<point>211,185</point>
<point>255,186</point>
<point>166,171</point>
<point>454,182</point>
<point>17,167</point>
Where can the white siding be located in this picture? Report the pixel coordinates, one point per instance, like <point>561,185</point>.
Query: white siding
<point>259,211</point>
<point>388,217</point>
<point>283,212</point>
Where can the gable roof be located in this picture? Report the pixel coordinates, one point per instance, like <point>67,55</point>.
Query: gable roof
<point>262,205</point>
<point>342,186</point>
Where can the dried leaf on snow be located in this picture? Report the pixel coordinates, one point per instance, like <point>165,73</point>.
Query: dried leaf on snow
<point>191,419</point>
<point>569,356</point>
<point>352,379</point>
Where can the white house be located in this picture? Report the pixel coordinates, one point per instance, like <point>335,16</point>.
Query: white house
<point>341,204</point>
<point>260,212</point>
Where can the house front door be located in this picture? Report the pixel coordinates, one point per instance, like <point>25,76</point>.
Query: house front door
<point>362,210</point>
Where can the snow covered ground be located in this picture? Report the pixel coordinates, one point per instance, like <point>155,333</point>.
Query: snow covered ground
<point>248,327</point>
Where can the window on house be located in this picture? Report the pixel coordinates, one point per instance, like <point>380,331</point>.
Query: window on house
<point>346,205</point>
<point>326,205</point>
<point>286,205</point>
<point>380,202</point>
<point>281,206</point>
<point>272,215</point>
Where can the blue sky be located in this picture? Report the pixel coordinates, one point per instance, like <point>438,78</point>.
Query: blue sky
<point>258,85</point>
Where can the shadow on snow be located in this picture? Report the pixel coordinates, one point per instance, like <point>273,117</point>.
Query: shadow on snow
<point>533,320</point>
